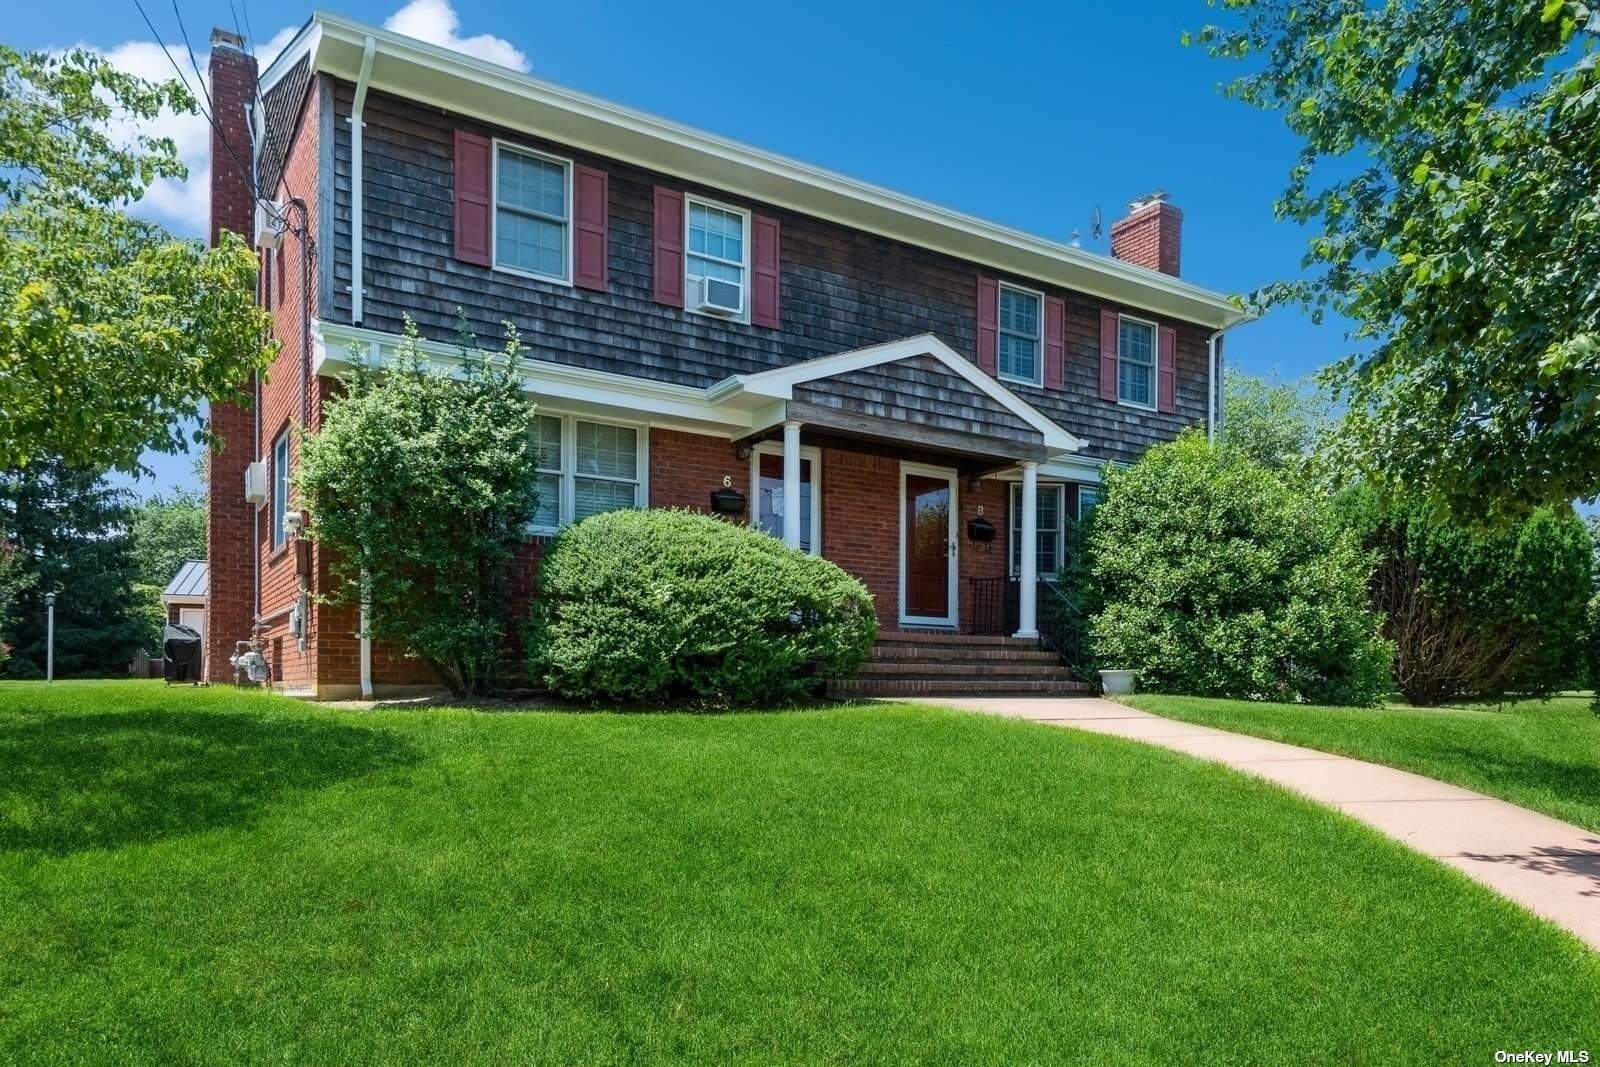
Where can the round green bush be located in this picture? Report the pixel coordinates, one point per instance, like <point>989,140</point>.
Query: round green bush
<point>655,605</point>
<point>1218,577</point>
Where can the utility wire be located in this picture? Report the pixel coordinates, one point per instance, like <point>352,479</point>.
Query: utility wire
<point>243,170</point>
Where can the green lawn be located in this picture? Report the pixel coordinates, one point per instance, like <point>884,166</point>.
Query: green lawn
<point>209,877</point>
<point>1543,755</point>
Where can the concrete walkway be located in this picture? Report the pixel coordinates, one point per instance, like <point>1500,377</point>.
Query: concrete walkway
<point>1549,867</point>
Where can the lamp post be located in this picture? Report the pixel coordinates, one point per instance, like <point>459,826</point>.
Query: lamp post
<point>50,637</point>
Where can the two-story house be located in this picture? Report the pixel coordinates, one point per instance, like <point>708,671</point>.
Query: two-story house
<point>884,381</point>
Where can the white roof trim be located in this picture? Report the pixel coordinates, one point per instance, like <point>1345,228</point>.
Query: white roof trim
<point>463,84</point>
<point>779,384</point>
<point>733,407</point>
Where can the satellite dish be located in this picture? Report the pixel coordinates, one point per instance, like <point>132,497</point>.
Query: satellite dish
<point>1094,223</point>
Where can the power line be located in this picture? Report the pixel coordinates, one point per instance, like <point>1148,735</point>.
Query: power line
<point>244,171</point>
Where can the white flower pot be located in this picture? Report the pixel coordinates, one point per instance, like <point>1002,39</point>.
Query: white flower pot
<point>1117,683</point>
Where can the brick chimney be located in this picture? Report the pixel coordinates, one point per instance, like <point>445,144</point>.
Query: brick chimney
<point>230,519</point>
<point>233,88</point>
<point>1151,235</point>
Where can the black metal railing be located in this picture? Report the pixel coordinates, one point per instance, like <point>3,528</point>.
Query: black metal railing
<point>994,606</point>
<point>1064,625</point>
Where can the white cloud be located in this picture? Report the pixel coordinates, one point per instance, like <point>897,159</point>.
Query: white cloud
<point>184,207</point>
<point>266,53</point>
<point>436,22</point>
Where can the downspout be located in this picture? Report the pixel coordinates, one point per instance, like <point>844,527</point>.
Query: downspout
<point>357,282</point>
<point>366,641</point>
<point>358,292</point>
<point>1214,387</point>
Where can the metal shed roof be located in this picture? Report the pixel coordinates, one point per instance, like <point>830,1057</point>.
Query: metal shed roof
<point>190,583</point>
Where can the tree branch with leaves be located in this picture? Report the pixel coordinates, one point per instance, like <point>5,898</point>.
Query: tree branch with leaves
<point>1451,165</point>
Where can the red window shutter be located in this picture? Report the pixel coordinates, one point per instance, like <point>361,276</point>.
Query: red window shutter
<point>473,169</point>
<point>988,323</point>
<point>591,190</point>
<point>1167,371</point>
<point>261,277</point>
<point>1055,341</point>
<point>281,273</point>
<point>668,259</point>
<point>1108,356</point>
<point>765,270</point>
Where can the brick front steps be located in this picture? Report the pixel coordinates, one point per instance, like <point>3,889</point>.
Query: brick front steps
<point>940,664</point>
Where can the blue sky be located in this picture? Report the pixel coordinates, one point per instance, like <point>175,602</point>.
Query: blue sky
<point>1031,118</point>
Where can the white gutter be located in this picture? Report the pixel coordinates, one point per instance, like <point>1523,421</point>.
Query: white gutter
<point>1214,390</point>
<point>358,293</point>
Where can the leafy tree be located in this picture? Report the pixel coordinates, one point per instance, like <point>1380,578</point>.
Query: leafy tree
<point>12,581</point>
<point>68,528</point>
<point>1472,612</point>
<point>1451,162</point>
<point>423,486</point>
<point>1274,422</point>
<point>1219,577</point>
<point>111,332</point>
<point>165,530</point>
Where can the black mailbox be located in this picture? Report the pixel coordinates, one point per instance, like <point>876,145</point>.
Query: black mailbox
<point>727,501</point>
<point>980,529</point>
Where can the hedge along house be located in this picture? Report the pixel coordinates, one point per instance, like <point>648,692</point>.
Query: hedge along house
<point>916,394</point>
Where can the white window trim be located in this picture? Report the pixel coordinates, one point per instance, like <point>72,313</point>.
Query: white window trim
<point>1155,362</point>
<point>1038,352</point>
<point>1013,502</point>
<point>569,464</point>
<point>744,266</point>
<point>280,490</point>
<point>494,212</point>
<point>809,453</point>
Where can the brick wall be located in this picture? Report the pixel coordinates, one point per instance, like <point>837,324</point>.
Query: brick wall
<point>229,541</point>
<point>685,468</point>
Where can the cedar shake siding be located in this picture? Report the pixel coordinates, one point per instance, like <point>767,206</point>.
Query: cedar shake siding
<point>836,288</point>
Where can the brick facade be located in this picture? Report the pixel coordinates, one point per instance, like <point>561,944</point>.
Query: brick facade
<point>229,519</point>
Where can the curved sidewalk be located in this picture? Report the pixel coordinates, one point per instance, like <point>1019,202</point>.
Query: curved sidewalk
<point>1549,867</point>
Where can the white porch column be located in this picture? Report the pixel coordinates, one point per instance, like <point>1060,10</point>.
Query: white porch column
<point>1028,580</point>
<point>791,484</point>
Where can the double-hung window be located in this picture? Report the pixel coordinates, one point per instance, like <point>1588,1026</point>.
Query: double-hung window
<point>1019,340</point>
<point>532,213</point>
<point>280,486</point>
<point>1047,525</point>
<point>1136,362</point>
<point>584,468</point>
<point>717,248</point>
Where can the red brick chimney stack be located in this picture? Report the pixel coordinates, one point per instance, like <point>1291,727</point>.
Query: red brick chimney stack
<point>1151,235</point>
<point>230,545</point>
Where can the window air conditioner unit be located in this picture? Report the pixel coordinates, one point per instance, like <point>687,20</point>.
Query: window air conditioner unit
<point>255,483</point>
<point>270,224</point>
<point>718,297</point>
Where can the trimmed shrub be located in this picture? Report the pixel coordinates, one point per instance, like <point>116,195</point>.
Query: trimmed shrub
<point>1220,578</point>
<point>655,605</point>
<point>423,486</point>
<point>1480,613</point>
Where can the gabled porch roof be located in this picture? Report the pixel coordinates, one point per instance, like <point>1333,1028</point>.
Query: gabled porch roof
<point>914,391</point>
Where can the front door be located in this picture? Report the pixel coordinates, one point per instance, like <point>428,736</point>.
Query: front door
<point>928,564</point>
